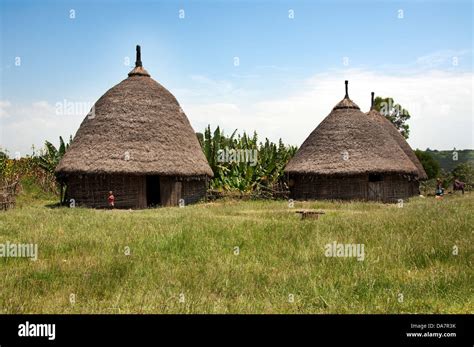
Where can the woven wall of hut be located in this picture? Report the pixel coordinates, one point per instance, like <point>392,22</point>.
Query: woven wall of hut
<point>93,190</point>
<point>386,188</point>
<point>131,191</point>
<point>194,190</point>
<point>173,189</point>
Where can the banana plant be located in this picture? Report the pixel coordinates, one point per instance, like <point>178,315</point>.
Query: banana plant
<point>51,155</point>
<point>241,176</point>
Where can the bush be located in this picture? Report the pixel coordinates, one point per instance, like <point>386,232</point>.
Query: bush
<point>431,166</point>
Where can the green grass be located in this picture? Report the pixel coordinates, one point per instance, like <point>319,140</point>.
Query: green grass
<point>190,251</point>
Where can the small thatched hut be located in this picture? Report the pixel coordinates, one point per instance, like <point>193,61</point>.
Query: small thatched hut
<point>352,155</point>
<point>138,143</point>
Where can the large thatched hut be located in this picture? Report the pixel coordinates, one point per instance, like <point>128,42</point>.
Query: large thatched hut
<point>354,155</point>
<point>138,143</point>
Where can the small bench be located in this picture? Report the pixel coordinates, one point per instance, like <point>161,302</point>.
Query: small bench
<point>309,213</point>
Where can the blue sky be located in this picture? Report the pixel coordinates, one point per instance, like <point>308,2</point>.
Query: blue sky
<point>291,70</point>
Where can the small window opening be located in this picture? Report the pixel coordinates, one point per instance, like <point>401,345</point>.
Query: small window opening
<point>375,177</point>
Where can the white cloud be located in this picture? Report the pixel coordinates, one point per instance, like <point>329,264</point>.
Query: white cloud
<point>440,104</point>
<point>25,125</point>
<point>4,106</point>
<point>443,58</point>
<point>220,114</point>
<point>205,86</point>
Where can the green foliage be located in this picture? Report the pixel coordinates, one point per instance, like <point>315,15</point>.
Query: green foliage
<point>3,155</point>
<point>395,113</point>
<point>449,159</point>
<point>431,166</point>
<point>27,170</point>
<point>464,172</point>
<point>265,171</point>
<point>35,190</point>
<point>408,250</point>
<point>36,171</point>
<point>3,162</point>
<point>51,156</point>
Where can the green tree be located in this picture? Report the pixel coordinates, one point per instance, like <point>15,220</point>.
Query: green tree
<point>464,172</point>
<point>51,155</point>
<point>395,113</point>
<point>3,162</point>
<point>430,165</point>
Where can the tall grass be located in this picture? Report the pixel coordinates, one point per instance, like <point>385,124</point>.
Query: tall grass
<point>186,260</point>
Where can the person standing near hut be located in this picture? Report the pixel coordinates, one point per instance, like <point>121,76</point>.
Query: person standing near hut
<point>439,187</point>
<point>111,200</point>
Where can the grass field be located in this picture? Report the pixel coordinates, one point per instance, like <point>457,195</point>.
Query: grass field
<point>185,260</point>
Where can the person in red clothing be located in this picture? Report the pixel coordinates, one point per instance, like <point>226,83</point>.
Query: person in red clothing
<point>111,200</point>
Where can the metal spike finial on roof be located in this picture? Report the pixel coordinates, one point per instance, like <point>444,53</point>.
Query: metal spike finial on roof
<point>138,62</point>
<point>138,70</point>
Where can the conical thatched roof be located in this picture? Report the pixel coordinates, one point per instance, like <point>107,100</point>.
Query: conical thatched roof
<point>376,116</point>
<point>136,127</point>
<point>349,142</point>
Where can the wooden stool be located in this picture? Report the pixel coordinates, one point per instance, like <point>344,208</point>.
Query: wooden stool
<point>309,213</point>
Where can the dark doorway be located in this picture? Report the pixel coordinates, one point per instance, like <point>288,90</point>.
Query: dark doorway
<point>153,197</point>
<point>375,177</point>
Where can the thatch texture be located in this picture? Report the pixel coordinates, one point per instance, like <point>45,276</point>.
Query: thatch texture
<point>377,117</point>
<point>349,142</point>
<point>137,128</point>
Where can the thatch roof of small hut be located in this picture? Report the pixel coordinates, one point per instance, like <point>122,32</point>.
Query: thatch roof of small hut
<point>136,127</point>
<point>348,142</point>
<point>376,116</point>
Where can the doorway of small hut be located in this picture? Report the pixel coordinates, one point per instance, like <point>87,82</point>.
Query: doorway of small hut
<point>375,187</point>
<point>153,197</point>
